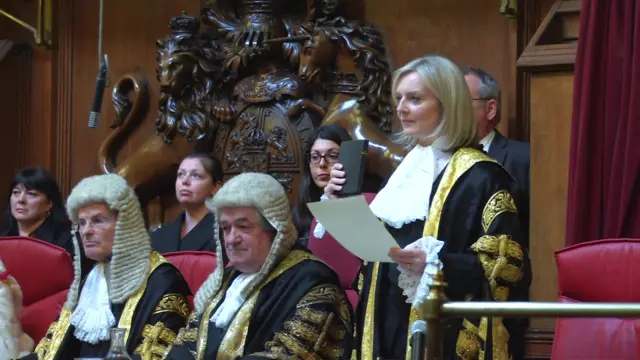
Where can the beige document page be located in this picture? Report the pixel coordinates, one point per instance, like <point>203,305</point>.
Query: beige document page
<point>354,226</point>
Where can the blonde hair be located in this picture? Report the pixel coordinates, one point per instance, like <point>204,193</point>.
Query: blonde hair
<point>444,78</point>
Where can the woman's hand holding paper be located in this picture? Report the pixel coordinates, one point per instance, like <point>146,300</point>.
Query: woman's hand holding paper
<point>414,260</point>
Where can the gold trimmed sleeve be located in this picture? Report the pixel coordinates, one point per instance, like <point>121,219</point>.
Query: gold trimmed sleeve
<point>173,303</point>
<point>320,328</point>
<point>501,260</point>
<point>498,203</point>
<point>156,341</point>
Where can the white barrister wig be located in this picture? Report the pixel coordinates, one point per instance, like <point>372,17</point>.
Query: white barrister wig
<point>130,261</point>
<point>267,196</point>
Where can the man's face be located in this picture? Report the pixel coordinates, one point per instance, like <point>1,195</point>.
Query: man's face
<point>97,227</point>
<point>484,110</point>
<point>246,241</point>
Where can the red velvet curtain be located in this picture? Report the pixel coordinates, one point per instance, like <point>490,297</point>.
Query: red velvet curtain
<point>604,165</point>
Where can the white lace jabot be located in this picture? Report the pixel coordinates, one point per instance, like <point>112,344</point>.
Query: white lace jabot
<point>92,317</point>
<point>406,196</point>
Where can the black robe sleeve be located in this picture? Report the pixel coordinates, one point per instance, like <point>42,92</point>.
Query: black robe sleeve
<point>169,314</point>
<point>484,257</point>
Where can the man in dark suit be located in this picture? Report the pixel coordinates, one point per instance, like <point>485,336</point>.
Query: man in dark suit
<point>513,155</point>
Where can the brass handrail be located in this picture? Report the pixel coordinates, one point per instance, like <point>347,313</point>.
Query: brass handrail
<point>43,31</point>
<point>435,308</point>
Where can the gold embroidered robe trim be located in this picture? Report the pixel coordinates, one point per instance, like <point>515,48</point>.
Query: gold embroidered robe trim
<point>232,344</point>
<point>497,255</point>
<point>49,345</point>
<point>461,161</point>
<point>499,203</point>
<point>173,303</point>
<point>156,340</point>
<point>313,334</point>
<point>132,303</point>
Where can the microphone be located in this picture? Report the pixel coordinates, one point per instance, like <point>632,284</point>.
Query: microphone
<point>418,340</point>
<point>94,115</point>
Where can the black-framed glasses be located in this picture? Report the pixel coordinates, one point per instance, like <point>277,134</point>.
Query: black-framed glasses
<point>330,157</point>
<point>481,99</point>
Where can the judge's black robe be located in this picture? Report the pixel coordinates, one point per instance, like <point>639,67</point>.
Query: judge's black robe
<point>153,316</point>
<point>300,311</point>
<point>200,238</point>
<point>472,211</point>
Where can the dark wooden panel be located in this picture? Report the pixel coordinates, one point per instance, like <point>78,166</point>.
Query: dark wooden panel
<point>130,32</point>
<point>468,32</point>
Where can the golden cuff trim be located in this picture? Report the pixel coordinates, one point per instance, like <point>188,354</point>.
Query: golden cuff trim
<point>328,294</point>
<point>499,203</point>
<point>468,345</point>
<point>186,335</point>
<point>498,246</point>
<point>173,303</point>
<point>155,341</point>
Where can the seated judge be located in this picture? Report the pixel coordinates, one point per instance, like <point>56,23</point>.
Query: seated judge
<point>131,287</point>
<point>35,209</point>
<point>13,340</point>
<point>277,301</point>
<point>199,177</point>
<point>447,203</point>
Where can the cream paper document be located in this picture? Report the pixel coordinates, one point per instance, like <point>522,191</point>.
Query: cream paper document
<point>354,226</point>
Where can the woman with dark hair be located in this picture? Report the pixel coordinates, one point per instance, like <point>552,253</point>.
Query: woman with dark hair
<point>322,151</point>
<point>35,209</point>
<point>199,177</point>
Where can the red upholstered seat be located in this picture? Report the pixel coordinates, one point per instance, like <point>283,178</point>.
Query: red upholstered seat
<point>598,271</point>
<point>195,267</point>
<point>45,273</point>
<point>340,259</point>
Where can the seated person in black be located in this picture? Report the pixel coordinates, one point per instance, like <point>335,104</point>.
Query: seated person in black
<point>199,178</point>
<point>35,209</point>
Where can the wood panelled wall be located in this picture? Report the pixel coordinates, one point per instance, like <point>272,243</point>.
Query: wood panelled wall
<point>45,94</point>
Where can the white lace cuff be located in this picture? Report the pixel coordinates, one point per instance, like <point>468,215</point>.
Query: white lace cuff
<point>416,287</point>
<point>319,230</point>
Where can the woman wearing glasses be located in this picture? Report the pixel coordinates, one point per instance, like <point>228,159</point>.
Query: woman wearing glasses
<point>199,177</point>
<point>322,151</point>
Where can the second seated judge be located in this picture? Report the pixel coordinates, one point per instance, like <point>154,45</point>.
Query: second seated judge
<point>277,301</point>
<point>199,177</point>
<point>132,287</point>
<point>446,201</point>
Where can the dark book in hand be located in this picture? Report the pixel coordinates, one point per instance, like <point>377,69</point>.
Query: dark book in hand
<point>353,157</point>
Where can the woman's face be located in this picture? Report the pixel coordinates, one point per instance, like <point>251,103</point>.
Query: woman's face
<point>29,206</point>
<point>323,154</point>
<point>193,183</point>
<point>418,107</point>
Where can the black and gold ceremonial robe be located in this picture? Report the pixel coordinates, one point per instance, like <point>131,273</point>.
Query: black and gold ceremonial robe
<point>299,312</point>
<point>152,317</point>
<point>473,212</point>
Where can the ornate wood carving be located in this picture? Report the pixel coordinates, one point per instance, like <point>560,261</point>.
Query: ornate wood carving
<point>250,80</point>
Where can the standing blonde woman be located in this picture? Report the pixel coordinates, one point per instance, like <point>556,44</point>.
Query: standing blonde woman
<point>13,341</point>
<point>447,201</point>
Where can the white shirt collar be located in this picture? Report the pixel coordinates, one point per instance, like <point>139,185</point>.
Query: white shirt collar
<point>487,140</point>
<point>406,197</point>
